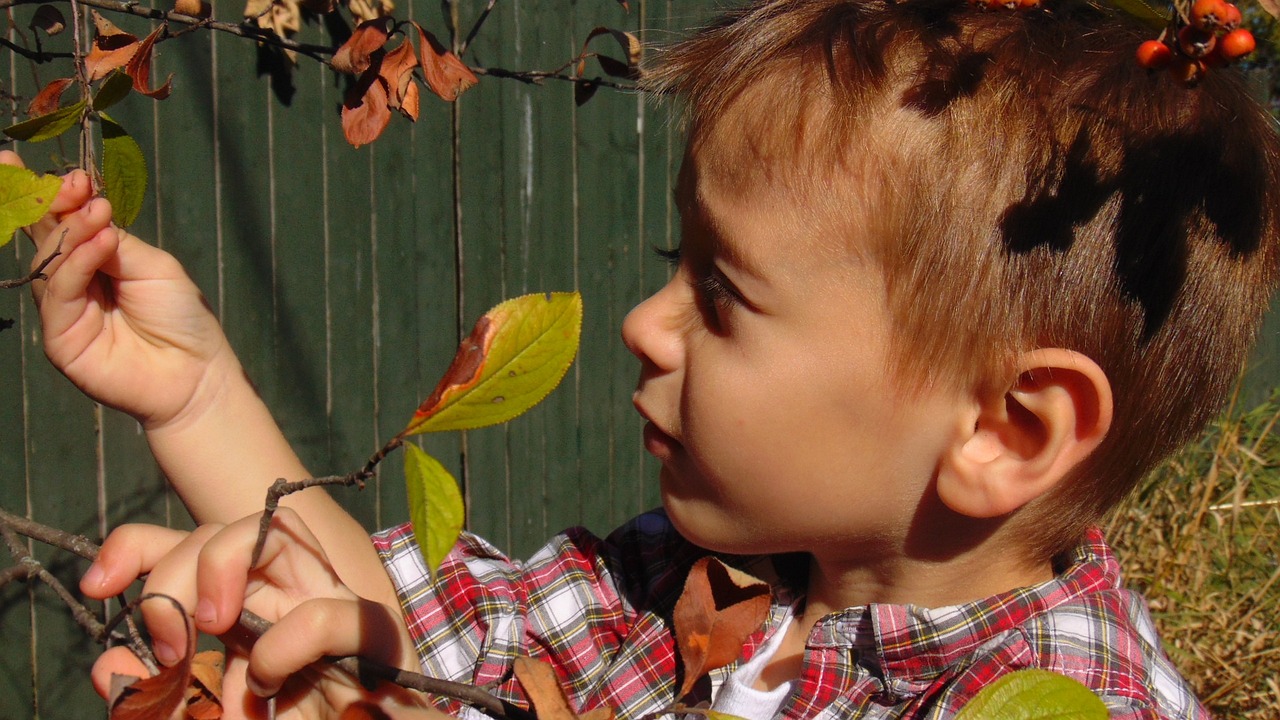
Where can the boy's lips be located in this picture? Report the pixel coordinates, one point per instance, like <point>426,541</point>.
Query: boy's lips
<point>658,443</point>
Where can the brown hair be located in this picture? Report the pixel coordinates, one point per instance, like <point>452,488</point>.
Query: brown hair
<point>1034,187</point>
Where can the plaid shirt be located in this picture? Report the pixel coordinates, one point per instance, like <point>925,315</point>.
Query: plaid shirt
<point>598,611</point>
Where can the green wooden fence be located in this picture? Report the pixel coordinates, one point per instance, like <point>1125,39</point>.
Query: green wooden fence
<point>343,277</point>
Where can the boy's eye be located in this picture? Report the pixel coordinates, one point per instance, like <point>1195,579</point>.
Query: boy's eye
<point>714,294</point>
<point>671,255</point>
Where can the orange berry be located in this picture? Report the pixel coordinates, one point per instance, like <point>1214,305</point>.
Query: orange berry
<point>1236,44</point>
<point>1154,55</point>
<point>1194,42</point>
<point>1233,18</point>
<point>1028,4</point>
<point>1208,14</point>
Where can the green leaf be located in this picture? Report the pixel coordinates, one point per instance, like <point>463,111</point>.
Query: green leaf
<point>1034,694</point>
<point>435,506</point>
<point>47,127</point>
<point>24,198</point>
<point>1156,18</point>
<point>116,88</point>
<point>515,356</point>
<point>124,172</point>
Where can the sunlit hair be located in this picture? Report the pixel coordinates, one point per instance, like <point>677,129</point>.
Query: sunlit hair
<point>1024,184</point>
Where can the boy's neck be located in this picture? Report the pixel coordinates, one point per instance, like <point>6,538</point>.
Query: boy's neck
<point>835,586</point>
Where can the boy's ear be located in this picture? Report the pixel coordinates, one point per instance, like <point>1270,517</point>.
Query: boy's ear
<point>1027,437</point>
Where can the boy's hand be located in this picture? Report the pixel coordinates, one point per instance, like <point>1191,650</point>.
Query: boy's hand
<point>121,318</point>
<point>293,585</point>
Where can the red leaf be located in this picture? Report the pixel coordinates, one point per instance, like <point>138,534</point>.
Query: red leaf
<point>364,119</point>
<point>139,68</point>
<point>446,75</point>
<point>112,49</point>
<point>719,609</point>
<point>355,55</point>
<point>50,98</point>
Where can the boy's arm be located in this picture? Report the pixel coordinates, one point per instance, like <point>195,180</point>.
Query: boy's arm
<point>123,321</point>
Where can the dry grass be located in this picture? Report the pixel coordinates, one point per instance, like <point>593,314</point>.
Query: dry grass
<point>1201,539</point>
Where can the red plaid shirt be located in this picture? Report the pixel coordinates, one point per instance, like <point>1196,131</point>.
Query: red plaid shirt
<point>598,611</point>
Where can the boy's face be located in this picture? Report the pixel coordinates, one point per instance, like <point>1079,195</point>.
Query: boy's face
<point>765,377</point>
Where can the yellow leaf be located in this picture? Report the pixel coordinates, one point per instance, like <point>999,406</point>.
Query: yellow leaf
<point>436,510</point>
<point>515,356</point>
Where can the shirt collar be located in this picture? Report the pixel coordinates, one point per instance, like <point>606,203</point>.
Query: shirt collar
<point>911,641</point>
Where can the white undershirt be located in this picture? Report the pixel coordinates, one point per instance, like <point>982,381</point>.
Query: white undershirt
<point>738,696</point>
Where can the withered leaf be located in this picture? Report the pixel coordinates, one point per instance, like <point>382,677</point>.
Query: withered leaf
<point>719,609</point>
<point>365,116</point>
<point>255,9</point>
<point>156,696</point>
<point>446,75</point>
<point>356,54</point>
<point>192,8</point>
<point>397,70</point>
<point>543,688</point>
<point>139,68</point>
<point>409,103</point>
<point>584,90</point>
<point>112,49</point>
<point>49,98</point>
<point>632,50</point>
<point>363,10</point>
<point>105,27</point>
<point>49,19</point>
<point>1271,6</point>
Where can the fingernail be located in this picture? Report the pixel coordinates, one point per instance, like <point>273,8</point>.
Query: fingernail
<point>255,687</point>
<point>165,653</point>
<point>206,613</point>
<point>94,577</point>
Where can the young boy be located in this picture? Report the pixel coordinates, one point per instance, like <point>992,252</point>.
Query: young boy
<point>951,281</point>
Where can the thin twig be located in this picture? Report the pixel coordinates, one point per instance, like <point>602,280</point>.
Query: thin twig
<point>362,668</point>
<point>81,614</point>
<point>475,28</point>
<point>37,273</point>
<point>72,543</point>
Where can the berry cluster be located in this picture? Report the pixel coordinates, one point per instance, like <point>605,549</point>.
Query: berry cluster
<point>1208,34</point>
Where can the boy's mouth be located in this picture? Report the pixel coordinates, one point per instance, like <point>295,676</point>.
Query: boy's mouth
<point>658,443</point>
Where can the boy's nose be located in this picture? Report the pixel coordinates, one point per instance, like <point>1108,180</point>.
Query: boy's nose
<point>650,331</point>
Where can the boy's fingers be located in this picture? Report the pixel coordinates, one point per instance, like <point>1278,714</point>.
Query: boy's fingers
<point>89,222</point>
<point>174,578</point>
<point>324,627</point>
<point>128,552</point>
<point>224,571</point>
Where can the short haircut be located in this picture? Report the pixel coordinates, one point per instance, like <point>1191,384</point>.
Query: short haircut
<point>1034,187</point>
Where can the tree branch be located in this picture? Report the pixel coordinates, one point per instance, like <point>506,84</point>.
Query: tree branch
<point>37,273</point>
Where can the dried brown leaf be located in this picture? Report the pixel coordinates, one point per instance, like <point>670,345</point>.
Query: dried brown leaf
<point>105,27</point>
<point>397,70</point>
<point>255,9</point>
<point>410,102</point>
<point>365,116</point>
<point>49,19</point>
<point>1271,6</point>
<point>632,50</point>
<point>50,98</point>
<point>192,8</point>
<point>112,49</point>
<point>719,609</point>
<point>356,54</point>
<point>365,10</point>
<point>543,688</point>
<point>446,75</point>
<point>156,696</point>
<point>139,68</point>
